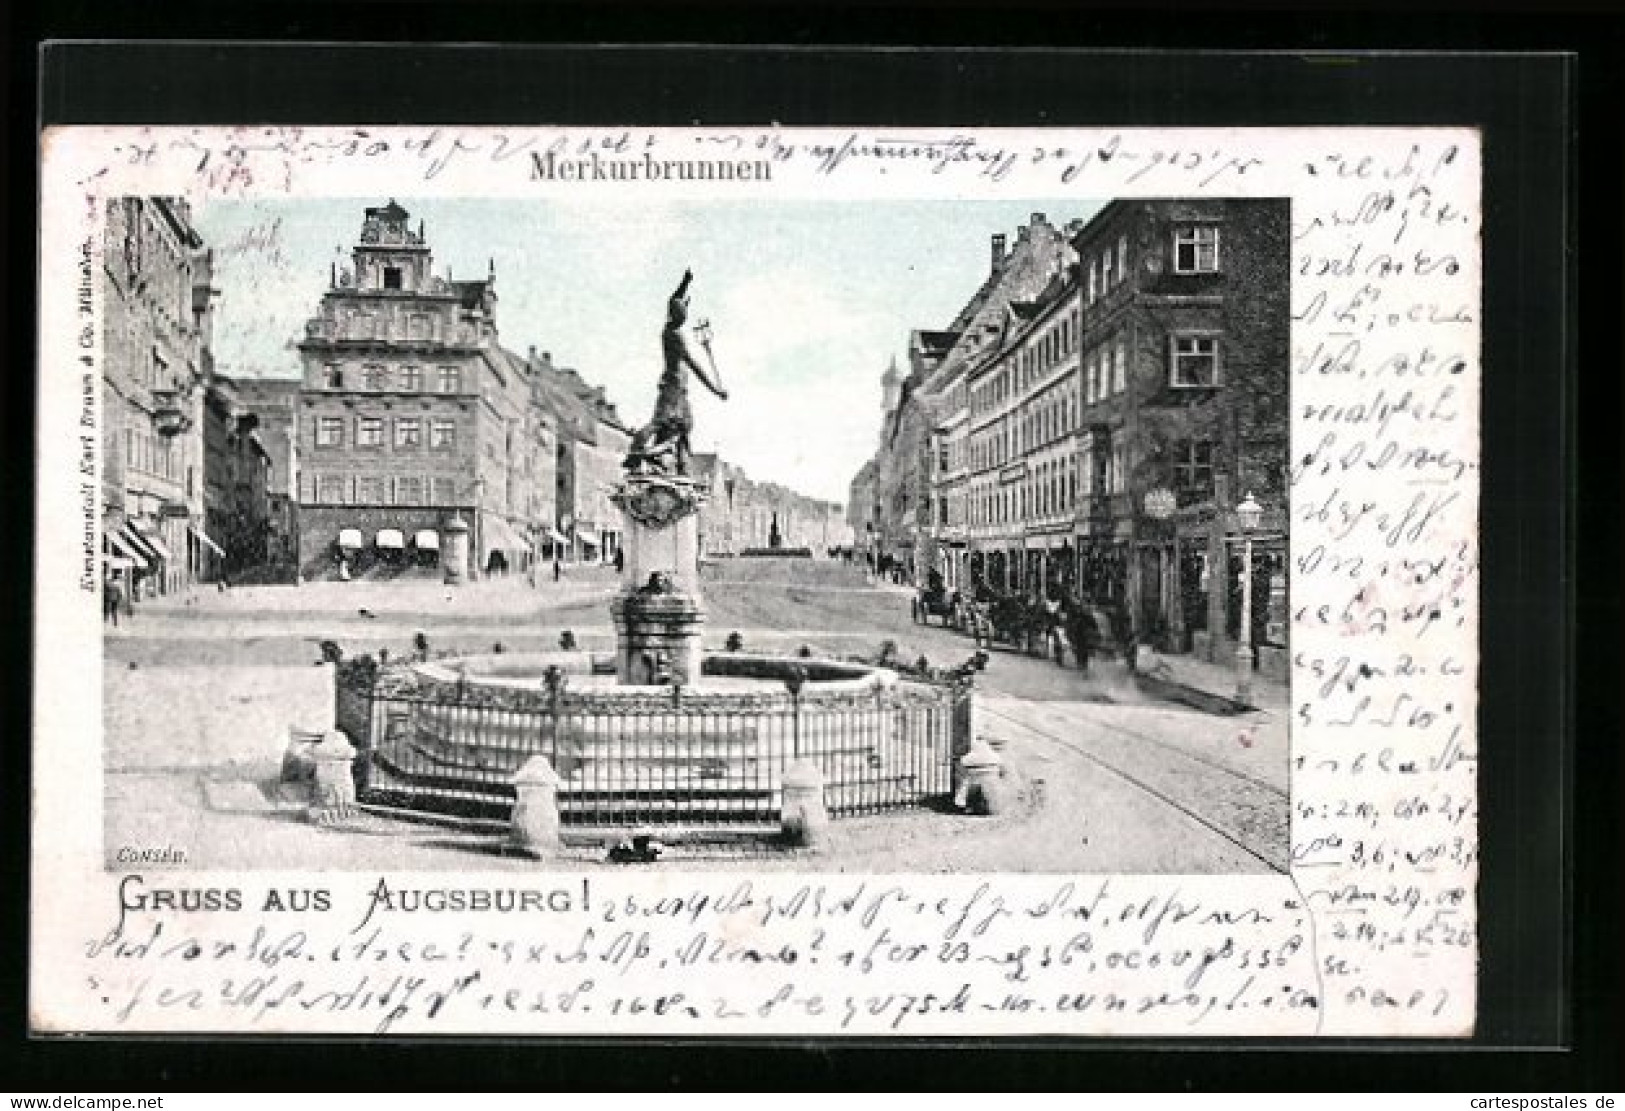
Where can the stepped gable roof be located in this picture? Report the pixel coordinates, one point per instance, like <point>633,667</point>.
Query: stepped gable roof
<point>470,294</point>
<point>390,211</point>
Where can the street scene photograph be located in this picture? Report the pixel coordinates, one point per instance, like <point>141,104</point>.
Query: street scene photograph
<point>878,536</point>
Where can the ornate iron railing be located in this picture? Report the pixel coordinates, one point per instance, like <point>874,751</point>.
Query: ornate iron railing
<point>678,758</point>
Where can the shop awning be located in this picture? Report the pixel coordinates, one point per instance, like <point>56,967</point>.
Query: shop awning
<point>127,550</point>
<point>586,535</point>
<point>500,536</point>
<point>120,563</point>
<point>557,537</point>
<point>389,538</point>
<point>350,538</point>
<point>427,540</point>
<point>149,538</point>
<point>203,536</point>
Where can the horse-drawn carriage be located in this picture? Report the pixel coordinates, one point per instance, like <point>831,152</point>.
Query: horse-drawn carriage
<point>935,600</point>
<point>1057,629</point>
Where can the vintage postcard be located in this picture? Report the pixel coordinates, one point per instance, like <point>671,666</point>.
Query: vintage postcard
<point>757,581</point>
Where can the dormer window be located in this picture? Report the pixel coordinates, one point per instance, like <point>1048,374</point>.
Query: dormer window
<point>392,277</point>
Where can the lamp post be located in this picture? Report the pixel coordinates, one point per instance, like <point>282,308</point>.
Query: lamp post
<point>1248,515</point>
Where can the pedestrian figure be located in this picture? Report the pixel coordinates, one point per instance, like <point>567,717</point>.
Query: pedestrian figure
<point>620,561</point>
<point>555,568</point>
<point>112,599</point>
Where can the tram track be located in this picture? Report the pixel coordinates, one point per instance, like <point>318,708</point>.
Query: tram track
<point>1181,791</point>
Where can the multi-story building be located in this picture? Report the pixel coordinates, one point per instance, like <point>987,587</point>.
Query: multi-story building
<point>274,403</point>
<point>237,480</point>
<point>922,473</point>
<point>1021,444</point>
<point>586,441</point>
<point>157,277</point>
<point>745,515</point>
<point>863,511</point>
<point>1125,411</point>
<point>410,414</point>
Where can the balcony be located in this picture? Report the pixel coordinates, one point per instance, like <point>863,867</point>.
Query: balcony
<point>169,417</point>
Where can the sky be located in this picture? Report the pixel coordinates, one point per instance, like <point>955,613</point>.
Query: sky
<point>808,301</point>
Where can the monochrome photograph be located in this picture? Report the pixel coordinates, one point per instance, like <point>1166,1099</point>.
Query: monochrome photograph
<point>861,536</point>
<point>757,581</point>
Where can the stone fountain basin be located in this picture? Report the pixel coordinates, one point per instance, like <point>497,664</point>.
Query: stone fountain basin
<point>721,727</point>
<point>721,674</point>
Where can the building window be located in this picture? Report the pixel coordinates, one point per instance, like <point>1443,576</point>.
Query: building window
<point>1195,361</point>
<point>333,376</point>
<point>392,277</point>
<point>1196,250</point>
<point>442,433</point>
<point>411,378</point>
<point>408,432</point>
<point>330,432</point>
<point>1122,257</point>
<point>330,489</point>
<point>451,379</point>
<point>1092,378</point>
<point>445,491</point>
<point>1120,366</point>
<point>408,490</point>
<point>1119,475</point>
<point>369,432</point>
<point>369,491</point>
<point>1106,271</point>
<point>1193,465</point>
<point>1094,279</point>
<point>375,377</point>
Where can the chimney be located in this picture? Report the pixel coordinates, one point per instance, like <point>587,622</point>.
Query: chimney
<point>1039,218</point>
<point>998,252</point>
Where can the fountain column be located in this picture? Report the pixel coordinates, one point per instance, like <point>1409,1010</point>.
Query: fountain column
<point>659,614</point>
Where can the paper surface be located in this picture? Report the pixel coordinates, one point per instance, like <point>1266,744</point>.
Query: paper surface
<point>1369,930</point>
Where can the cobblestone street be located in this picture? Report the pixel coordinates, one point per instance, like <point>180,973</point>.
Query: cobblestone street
<point>201,690</point>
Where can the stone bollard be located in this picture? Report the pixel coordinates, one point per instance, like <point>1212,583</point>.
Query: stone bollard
<point>985,789</point>
<point>298,766</point>
<point>534,827</point>
<point>332,787</point>
<point>803,817</point>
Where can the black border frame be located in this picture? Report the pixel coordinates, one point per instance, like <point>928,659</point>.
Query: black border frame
<point>1531,759</point>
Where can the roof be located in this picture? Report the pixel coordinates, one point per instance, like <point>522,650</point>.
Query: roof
<point>934,342</point>
<point>470,294</point>
<point>390,211</point>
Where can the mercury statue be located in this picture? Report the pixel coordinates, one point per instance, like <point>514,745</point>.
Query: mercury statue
<point>662,445</point>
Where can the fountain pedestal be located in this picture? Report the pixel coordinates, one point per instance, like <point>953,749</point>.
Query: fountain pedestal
<point>659,616</point>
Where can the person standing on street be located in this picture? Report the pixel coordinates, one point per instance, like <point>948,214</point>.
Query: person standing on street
<point>112,599</point>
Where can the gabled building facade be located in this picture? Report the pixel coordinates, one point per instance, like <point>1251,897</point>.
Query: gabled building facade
<point>160,300</point>
<point>410,414</point>
<point>1185,379</point>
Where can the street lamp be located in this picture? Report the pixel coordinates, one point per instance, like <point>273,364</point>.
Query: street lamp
<point>1248,515</point>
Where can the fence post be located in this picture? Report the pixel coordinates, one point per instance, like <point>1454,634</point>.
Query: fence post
<point>803,818</point>
<point>332,791</point>
<point>985,789</point>
<point>534,827</point>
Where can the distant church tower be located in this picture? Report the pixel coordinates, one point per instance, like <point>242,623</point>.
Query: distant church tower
<point>891,388</point>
